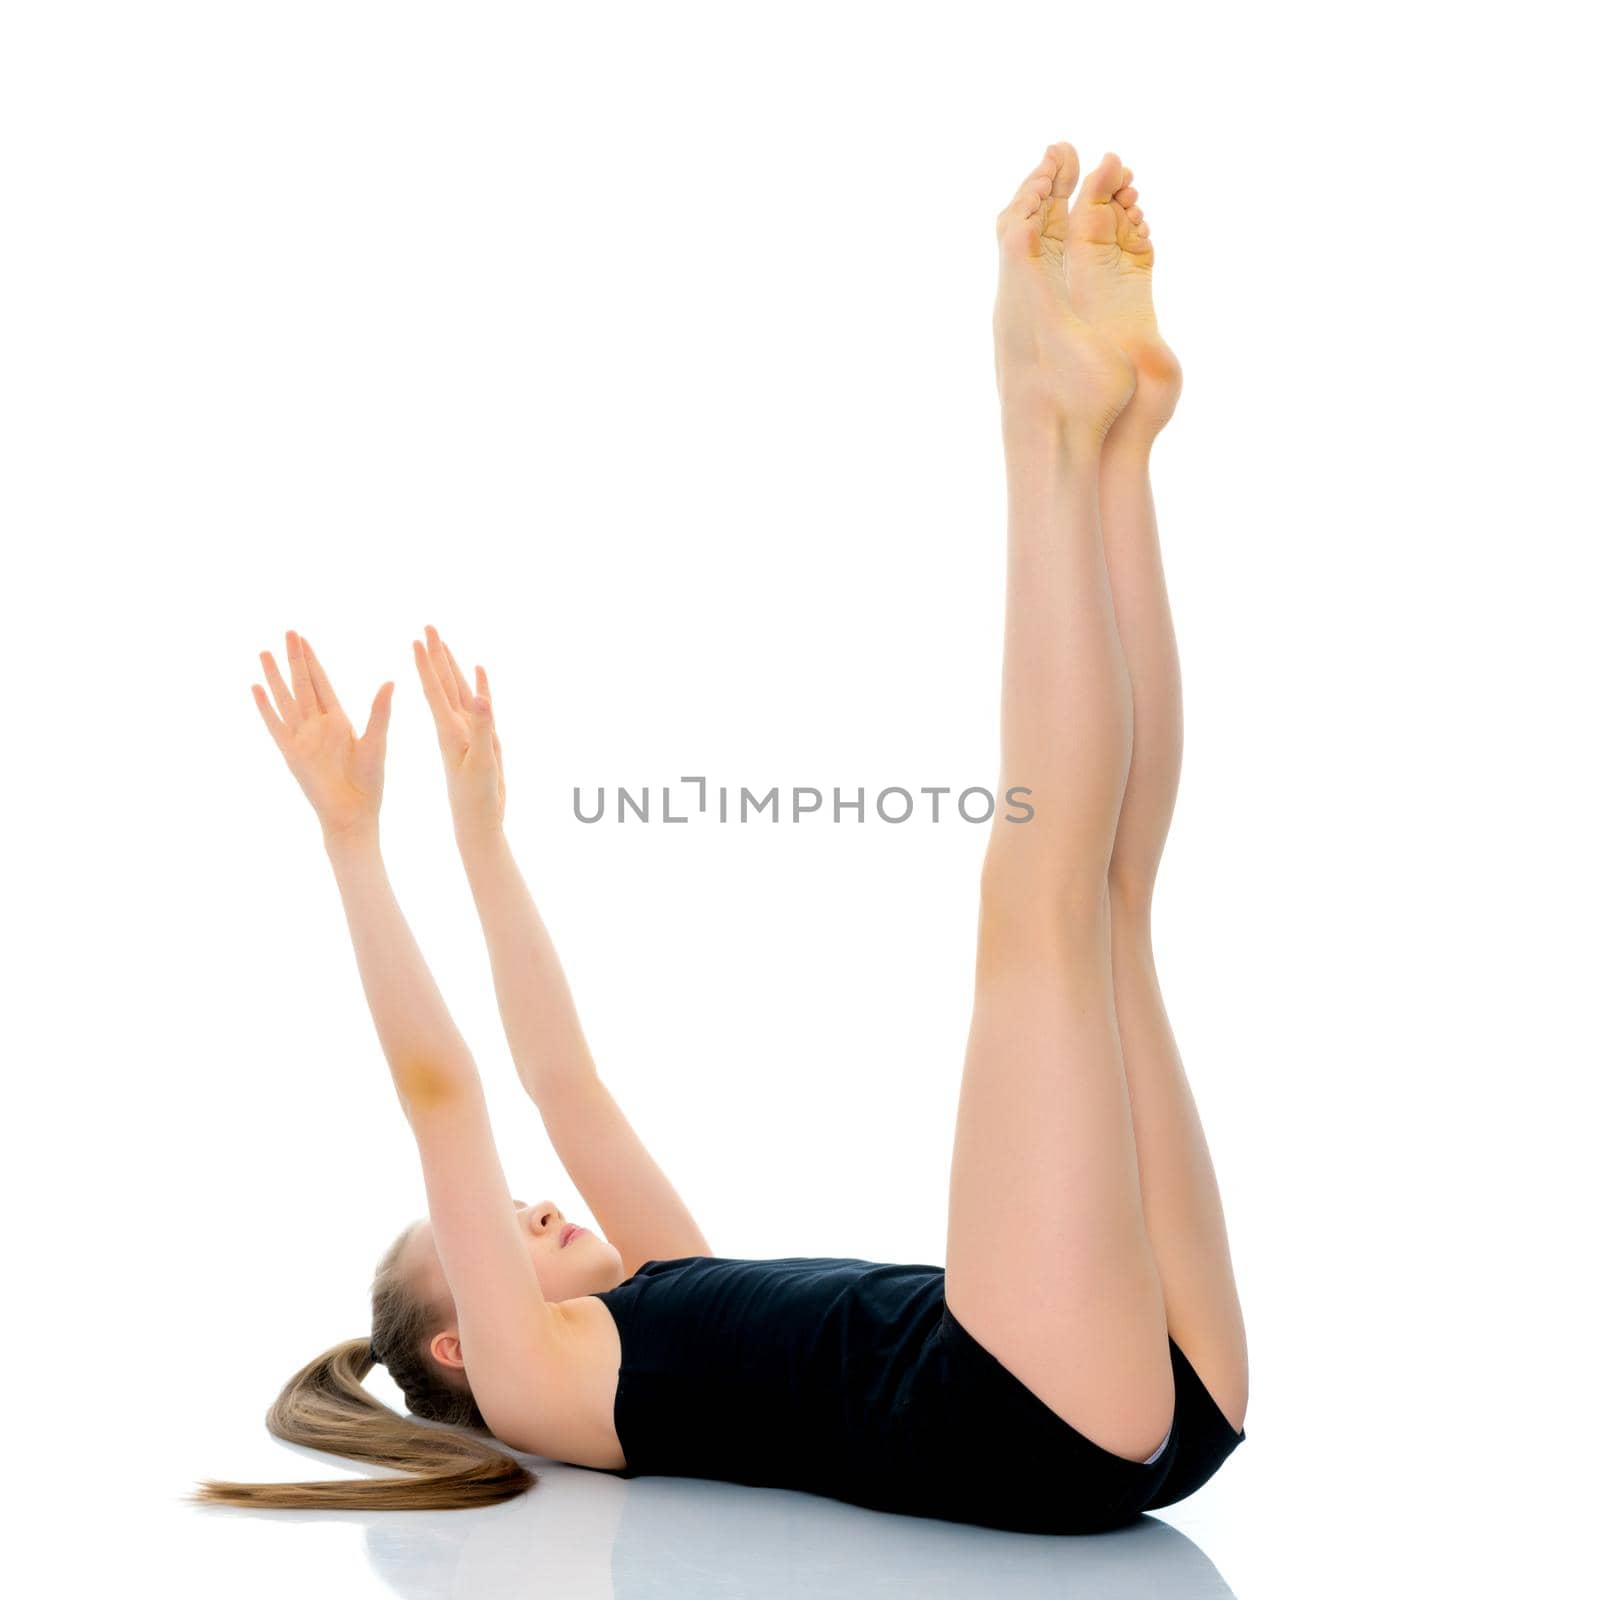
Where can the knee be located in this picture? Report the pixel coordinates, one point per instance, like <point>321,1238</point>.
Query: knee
<point>1131,895</point>
<point>1133,882</point>
<point>1045,865</point>
<point>1061,899</point>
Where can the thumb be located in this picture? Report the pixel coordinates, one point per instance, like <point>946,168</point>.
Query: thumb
<point>378,722</point>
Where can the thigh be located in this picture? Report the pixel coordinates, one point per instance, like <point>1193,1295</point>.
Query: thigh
<point>974,1443</point>
<point>1203,1438</point>
<point>1182,1204</point>
<point>1048,1265</point>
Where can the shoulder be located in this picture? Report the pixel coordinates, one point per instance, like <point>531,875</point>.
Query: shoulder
<point>564,1410</point>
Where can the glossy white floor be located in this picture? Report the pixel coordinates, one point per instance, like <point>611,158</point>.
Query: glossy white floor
<point>587,1537</point>
<point>1304,1509</point>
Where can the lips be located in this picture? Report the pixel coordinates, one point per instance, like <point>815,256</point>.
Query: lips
<point>567,1233</point>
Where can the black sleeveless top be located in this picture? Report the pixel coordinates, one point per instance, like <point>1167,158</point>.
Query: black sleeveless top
<point>793,1372</point>
<point>853,1379</point>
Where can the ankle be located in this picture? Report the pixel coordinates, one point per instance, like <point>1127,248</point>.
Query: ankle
<point>1033,427</point>
<point>1128,446</point>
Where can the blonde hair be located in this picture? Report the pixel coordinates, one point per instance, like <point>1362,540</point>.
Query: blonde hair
<point>324,1407</point>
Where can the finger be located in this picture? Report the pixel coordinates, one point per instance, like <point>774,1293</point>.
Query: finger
<point>274,723</point>
<point>305,692</point>
<point>479,714</point>
<point>482,679</point>
<point>463,693</point>
<point>377,734</point>
<point>431,686</point>
<point>319,679</point>
<point>287,709</point>
<point>441,667</point>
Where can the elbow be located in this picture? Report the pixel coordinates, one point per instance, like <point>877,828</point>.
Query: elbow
<point>425,1086</point>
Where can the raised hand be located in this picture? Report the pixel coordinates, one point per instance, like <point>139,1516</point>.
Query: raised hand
<point>464,720</point>
<point>342,776</point>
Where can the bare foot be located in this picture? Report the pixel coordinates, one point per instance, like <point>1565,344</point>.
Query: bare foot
<point>1048,360</point>
<point>1109,261</point>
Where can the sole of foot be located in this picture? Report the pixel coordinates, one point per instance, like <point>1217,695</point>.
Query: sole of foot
<point>1047,355</point>
<point>1109,260</point>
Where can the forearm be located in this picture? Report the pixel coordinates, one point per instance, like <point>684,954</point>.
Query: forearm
<point>427,1056</point>
<point>536,1006</point>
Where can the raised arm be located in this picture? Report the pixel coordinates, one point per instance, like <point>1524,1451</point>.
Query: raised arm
<point>632,1199</point>
<point>505,1322</point>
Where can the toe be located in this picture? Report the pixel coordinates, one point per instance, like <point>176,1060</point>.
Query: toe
<point>1064,178</point>
<point>1038,181</point>
<point>1132,231</point>
<point>1018,226</point>
<point>1126,196</point>
<point>1104,181</point>
<point>1062,182</point>
<point>1040,196</point>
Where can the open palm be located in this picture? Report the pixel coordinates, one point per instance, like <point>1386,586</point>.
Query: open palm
<point>463,717</point>
<point>342,776</point>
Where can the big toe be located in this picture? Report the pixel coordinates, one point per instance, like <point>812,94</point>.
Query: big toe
<point>1062,183</point>
<point>1104,180</point>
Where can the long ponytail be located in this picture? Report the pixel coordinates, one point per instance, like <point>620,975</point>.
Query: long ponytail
<point>324,1406</point>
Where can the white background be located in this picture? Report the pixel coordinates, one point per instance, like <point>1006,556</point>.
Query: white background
<point>646,353</point>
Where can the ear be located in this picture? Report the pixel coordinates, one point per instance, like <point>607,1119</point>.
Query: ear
<point>446,1349</point>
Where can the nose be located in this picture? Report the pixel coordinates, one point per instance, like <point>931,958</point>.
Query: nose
<point>544,1216</point>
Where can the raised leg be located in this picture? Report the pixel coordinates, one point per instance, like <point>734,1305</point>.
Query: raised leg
<point>1109,268</point>
<point>1048,1262</point>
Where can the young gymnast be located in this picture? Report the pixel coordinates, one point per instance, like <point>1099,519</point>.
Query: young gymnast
<point>1081,1356</point>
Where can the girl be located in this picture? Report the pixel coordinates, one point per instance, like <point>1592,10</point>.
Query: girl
<point>1081,1356</point>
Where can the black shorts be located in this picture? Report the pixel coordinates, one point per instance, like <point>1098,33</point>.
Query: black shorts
<point>980,1446</point>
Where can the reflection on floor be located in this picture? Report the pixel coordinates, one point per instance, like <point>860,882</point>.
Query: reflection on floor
<point>587,1536</point>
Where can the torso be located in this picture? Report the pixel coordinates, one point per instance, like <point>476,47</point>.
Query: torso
<point>831,1375</point>
<point>578,1424</point>
<point>725,1354</point>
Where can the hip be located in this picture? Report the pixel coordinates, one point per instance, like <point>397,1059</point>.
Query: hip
<point>971,1442</point>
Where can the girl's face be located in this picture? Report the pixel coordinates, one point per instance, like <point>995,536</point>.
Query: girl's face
<point>585,1264</point>
<point>570,1260</point>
